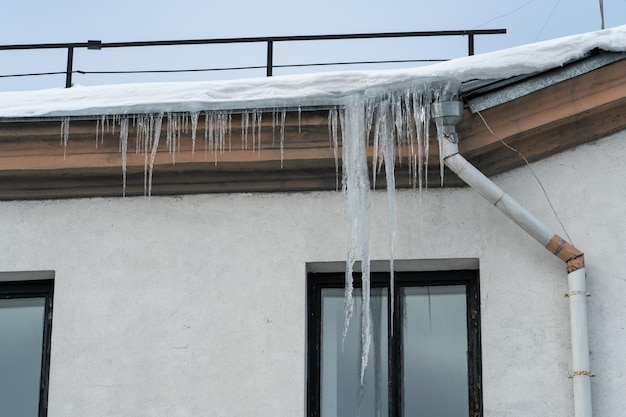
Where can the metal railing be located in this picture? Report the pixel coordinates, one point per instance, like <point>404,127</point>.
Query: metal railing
<point>269,41</point>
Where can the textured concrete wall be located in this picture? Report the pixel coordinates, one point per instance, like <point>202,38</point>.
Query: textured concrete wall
<point>195,305</point>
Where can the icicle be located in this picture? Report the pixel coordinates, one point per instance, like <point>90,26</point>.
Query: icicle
<point>389,158</point>
<point>97,132</point>
<point>212,137</point>
<point>181,121</point>
<point>370,109</point>
<point>254,117</point>
<point>356,188</point>
<point>206,134</point>
<point>124,149</point>
<point>398,118</point>
<point>102,129</point>
<point>274,117</point>
<point>223,127</point>
<point>426,122</point>
<point>441,162</point>
<point>146,124</point>
<point>168,134</point>
<point>283,116</point>
<point>333,133</point>
<point>245,119</point>
<point>230,131</point>
<point>299,119</point>
<point>139,137</point>
<point>258,134</point>
<point>409,135</point>
<point>141,144</point>
<point>381,124</point>
<point>174,122</point>
<point>194,127</point>
<point>155,145</point>
<point>418,115</point>
<point>65,134</point>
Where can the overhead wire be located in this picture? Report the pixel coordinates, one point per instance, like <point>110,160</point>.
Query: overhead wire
<point>547,20</point>
<point>504,15</point>
<point>530,168</point>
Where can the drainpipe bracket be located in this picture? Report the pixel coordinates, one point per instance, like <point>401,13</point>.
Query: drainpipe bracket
<point>581,373</point>
<point>572,293</point>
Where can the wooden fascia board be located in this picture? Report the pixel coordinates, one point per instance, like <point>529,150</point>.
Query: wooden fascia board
<point>596,95</point>
<point>33,164</point>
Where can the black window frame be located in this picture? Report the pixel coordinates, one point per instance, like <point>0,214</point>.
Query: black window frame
<point>31,289</point>
<point>318,281</point>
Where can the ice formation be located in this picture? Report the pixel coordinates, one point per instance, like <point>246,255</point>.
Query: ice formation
<point>393,122</point>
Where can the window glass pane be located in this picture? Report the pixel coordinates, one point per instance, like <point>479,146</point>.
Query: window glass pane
<point>21,339</point>
<point>434,346</point>
<point>340,370</point>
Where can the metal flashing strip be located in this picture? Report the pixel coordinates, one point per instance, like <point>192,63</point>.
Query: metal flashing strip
<point>517,88</point>
<point>123,112</point>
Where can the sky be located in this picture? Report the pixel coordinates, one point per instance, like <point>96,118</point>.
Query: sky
<point>41,21</point>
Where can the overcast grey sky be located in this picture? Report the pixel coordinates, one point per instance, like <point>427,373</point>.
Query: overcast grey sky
<point>42,21</point>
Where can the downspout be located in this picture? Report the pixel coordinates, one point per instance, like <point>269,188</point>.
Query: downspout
<point>446,114</point>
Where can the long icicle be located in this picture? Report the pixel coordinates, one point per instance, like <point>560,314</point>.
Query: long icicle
<point>356,186</point>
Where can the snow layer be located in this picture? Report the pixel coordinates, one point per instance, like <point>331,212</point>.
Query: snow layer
<point>296,90</point>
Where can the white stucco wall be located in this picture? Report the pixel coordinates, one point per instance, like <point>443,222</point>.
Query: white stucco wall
<point>195,305</point>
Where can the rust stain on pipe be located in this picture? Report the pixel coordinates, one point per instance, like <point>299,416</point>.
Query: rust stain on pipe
<point>565,251</point>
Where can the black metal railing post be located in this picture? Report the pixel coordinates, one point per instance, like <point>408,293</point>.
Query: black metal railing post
<point>70,64</point>
<point>470,44</point>
<point>270,58</point>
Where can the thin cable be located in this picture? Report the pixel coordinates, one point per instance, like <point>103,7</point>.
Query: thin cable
<point>33,74</point>
<point>504,15</point>
<point>547,20</point>
<point>166,71</point>
<point>521,155</point>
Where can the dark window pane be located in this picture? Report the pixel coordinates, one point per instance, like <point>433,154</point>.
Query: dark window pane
<point>21,339</point>
<point>434,346</point>
<point>340,370</point>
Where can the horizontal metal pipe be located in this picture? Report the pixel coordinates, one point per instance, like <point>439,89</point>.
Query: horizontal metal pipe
<point>262,39</point>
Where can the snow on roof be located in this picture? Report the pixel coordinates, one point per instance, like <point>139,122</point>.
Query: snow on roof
<point>300,90</point>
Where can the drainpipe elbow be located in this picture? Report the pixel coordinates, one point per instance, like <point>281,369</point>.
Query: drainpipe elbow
<point>565,251</point>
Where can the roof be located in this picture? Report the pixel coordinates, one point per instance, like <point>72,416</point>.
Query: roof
<point>540,99</point>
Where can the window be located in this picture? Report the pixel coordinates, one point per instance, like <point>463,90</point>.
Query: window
<point>428,364</point>
<point>25,325</point>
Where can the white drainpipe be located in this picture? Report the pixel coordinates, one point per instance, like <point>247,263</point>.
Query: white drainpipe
<point>446,115</point>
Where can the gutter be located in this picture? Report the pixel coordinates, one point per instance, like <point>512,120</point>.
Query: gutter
<point>447,114</point>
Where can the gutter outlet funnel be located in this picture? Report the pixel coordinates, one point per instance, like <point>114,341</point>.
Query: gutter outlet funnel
<point>446,115</point>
